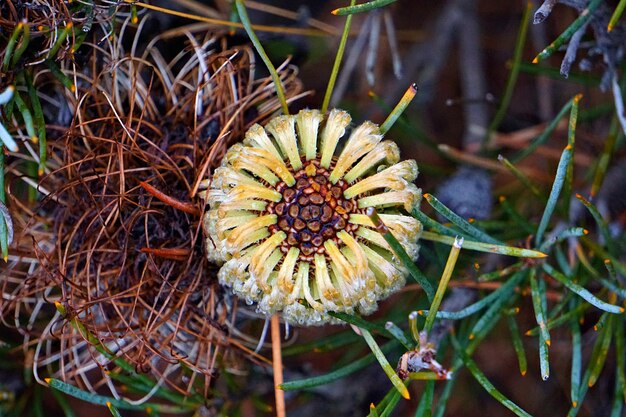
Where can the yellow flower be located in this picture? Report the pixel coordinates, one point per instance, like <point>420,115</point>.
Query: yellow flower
<point>287,217</point>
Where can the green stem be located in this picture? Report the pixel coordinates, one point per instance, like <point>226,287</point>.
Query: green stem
<point>363,7</point>
<point>485,247</point>
<point>582,19</point>
<point>245,20</point>
<point>510,84</point>
<point>337,64</point>
<point>382,360</point>
<point>616,15</point>
<point>399,109</point>
<point>401,253</point>
<point>443,284</point>
<point>8,52</point>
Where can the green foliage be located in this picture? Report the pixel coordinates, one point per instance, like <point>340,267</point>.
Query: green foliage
<point>568,271</point>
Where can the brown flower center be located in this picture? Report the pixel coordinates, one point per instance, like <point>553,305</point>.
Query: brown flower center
<point>312,211</point>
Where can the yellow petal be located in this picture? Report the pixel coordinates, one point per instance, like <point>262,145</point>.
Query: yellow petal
<point>277,165</point>
<point>327,292</point>
<point>308,122</point>
<point>362,140</point>
<point>409,198</point>
<point>335,127</point>
<point>259,259</point>
<point>385,151</point>
<point>263,275</point>
<point>283,130</point>
<point>257,138</point>
<point>285,275</point>
<point>242,236</point>
<point>355,247</point>
<point>239,160</point>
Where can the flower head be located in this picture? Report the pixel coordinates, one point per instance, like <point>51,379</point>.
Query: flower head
<point>287,217</point>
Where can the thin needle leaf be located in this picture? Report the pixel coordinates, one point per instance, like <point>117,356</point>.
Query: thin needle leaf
<point>603,343</point>
<point>544,364</point>
<point>443,284</point>
<point>521,177</point>
<point>113,410</point>
<point>563,173</point>
<point>398,334</point>
<point>602,224</point>
<point>245,20</point>
<point>485,247</point>
<point>541,139</point>
<point>363,7</point>
<point>576,360</point>
<point>401,253</point>
<point>429,223</point>
<point>620,354</point>
<point>515,68</point>
<point>399,109</point>
<point>557,186</point>
<point>518,344</point>
<point>458,221</point>
<point>425,406</point>
<point>582,292</point>
<point>616,15</point>
<point>104,400</point>
<point>489,387</point>
<point>538,298</point>
<point>338,373</point>
<point>382,360</point>
<point>337,63</point>
<point>40,123</point>
<point>10,46</point>
<point>582,19</point>
<point>503,291</point>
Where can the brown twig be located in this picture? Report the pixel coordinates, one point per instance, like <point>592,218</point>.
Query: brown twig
<point>171,201</point>
<point>168,253</point>
<point>277,364</point>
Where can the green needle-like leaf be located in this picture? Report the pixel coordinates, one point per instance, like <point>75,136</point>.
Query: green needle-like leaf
<point>603,343</point>
<point>489,387</point>
<point>338,57</point>
<point>538,298</point>
<point>104,400</point>
<point>576,360</point>
<point>561,173</point>
<point>541,139</point>
<point>582,19</point>
<point>616,15</point>
<point>113,410</point>
<point>485,247</point>
<point>443,284</point>
<point>458,221</point>
<point>518,344</point>
<point>515,68</point>
<point>338,373</point>
<point>401,253</point>
<point>504,291</point>
<point>245,20</point>
<point>363,7</point>
<point>382,360</point>
<point>582,292</point>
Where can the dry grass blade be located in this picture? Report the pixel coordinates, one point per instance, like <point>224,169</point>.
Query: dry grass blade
<point>126,250</point>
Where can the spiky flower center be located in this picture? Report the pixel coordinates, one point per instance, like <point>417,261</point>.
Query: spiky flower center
<point>312,211</point>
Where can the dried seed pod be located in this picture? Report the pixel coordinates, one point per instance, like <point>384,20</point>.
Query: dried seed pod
<point>309,248</point>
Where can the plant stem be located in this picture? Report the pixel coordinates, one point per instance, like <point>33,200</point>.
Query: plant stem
<point>337,64</point>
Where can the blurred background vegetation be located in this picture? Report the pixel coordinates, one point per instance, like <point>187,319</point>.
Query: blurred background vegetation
<point>518,128</point>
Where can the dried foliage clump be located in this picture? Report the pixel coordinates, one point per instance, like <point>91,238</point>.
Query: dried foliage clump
<point>124,264</point>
